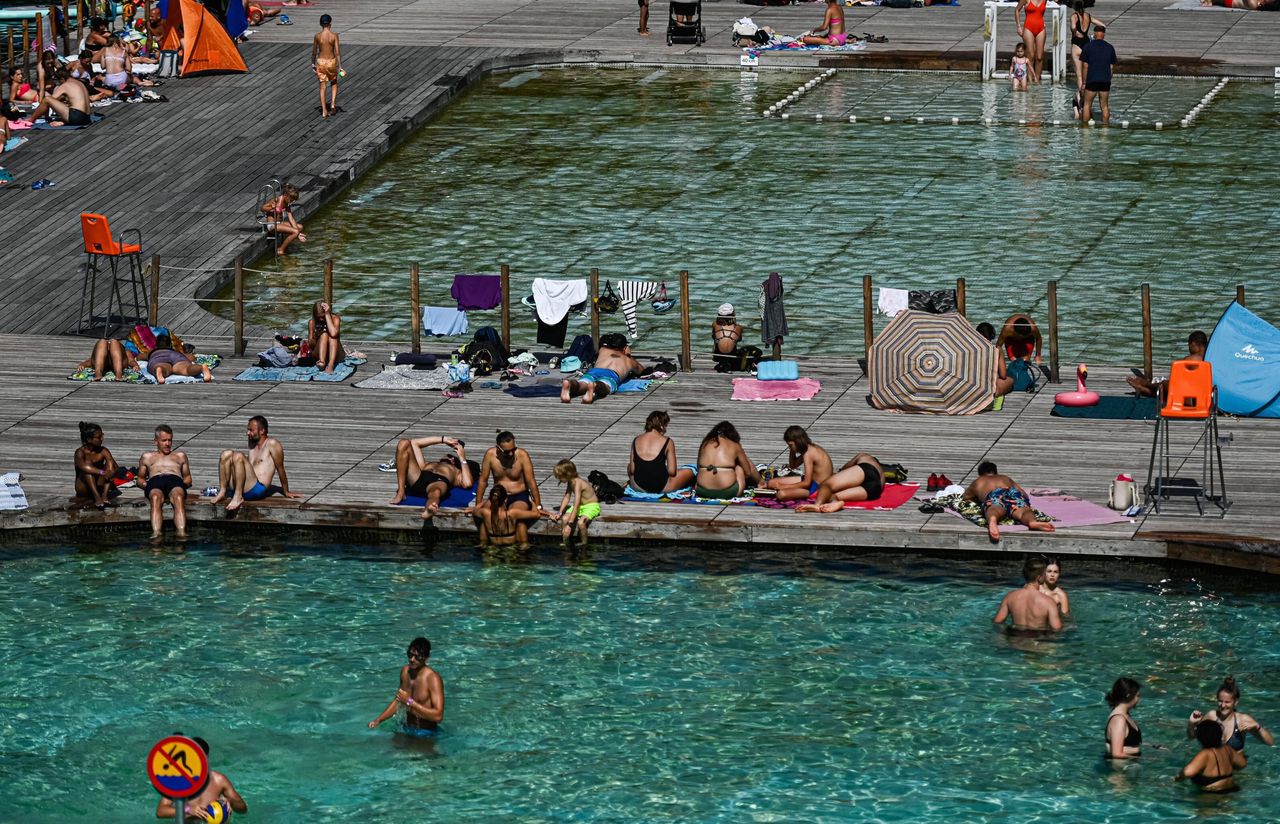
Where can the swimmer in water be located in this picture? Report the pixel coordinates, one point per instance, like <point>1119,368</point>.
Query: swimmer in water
<point>1213,768</point>
<point>217,790</point>
<point>1030,608</point>
<point>1235,725</point>
<point>421,693</point>
<point>1052,572</point>
<point>1124,739</point>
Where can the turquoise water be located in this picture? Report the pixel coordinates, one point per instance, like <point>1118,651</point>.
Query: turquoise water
<point>642,173</point>
<point>664,685</point>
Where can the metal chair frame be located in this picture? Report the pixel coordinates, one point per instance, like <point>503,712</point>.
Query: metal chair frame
<point>1212,484</point>
<point>115,316</point>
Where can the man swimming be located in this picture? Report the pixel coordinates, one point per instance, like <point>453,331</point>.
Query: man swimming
<point>165,475</point>
<point>1001,497</point>
<point>614,366</point>
<point>421,693</point>
<point>1030,608</point>
<point>248,477</point>
<point>511,468</point>
<point>217,790</point>
<point>432,481</point>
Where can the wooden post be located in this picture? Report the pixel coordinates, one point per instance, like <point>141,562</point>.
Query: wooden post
<point>505,271</point>
<point>868,330</point>
<point>595,308</point>
<point>9,63</point>
<point>328,281</point>
<point>686,347</point>
<point>960,296</point>
<point>239,306</point>
<point>66,27</point>
<point>1147,368</point>
<point>415,322</point>
<point>153,308</point>
<point>1240,293</point>
<point>146,16</point>
<point>1053,331</point>
<point>39,34</point>
<point>26,51</point>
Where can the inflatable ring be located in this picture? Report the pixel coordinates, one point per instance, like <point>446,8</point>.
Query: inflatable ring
<point>1082,396</point>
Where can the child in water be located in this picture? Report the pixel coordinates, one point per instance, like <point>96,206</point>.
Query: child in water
<point>1018,68</point>
<point>280,219</point>
<point>579,505</point>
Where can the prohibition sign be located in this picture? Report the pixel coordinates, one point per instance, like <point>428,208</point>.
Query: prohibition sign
<point>177,767</point>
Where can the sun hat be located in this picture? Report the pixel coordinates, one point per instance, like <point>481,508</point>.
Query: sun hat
<point>570,364</point>
<point>726,310</point>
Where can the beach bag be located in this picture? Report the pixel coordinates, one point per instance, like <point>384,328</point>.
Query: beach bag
<point>894,473</point>
<point>582,348</point>
<point>168,63</point>
<point>1124,493</point>
<point>609,302</point>
<point>485,353</point>
<point>459,373</point>
<point>1024,379</point>
<point>607,490</point>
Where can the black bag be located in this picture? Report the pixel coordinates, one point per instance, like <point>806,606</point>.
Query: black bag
<point>582,348</point>
<point>485,353</point>
<point>609,302</point>
<point>608,491</point>
<point>894,473</point>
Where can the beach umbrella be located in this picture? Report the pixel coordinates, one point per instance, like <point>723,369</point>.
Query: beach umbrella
<point>923,362</point>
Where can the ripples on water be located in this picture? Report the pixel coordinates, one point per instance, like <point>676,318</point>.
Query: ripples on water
<point>642,173</point>
<point>671,685</point>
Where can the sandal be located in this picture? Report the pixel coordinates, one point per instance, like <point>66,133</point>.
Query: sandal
<point>932,508</point>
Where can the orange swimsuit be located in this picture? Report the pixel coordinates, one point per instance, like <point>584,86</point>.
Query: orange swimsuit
<point>1035,17</point>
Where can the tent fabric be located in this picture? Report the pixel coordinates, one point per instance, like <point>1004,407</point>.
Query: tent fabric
<point>206,46</point>
<point>938,364</point>
<point>1245,353</point>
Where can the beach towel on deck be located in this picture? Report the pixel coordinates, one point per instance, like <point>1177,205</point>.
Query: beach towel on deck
<point>893,496</point>
<point>476,292</point>
<point>283,374</point>
<point>12,495</point>
<point>1062,510</point>
<point>750,389</point>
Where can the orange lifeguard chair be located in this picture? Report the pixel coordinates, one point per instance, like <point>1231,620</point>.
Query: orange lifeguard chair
<point>1188,395</point>
<point>99,244</point>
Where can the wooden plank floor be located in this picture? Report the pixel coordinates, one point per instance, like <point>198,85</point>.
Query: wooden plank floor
<point>335,436</point>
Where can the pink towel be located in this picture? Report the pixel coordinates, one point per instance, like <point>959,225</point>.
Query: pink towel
<point>750,389</point>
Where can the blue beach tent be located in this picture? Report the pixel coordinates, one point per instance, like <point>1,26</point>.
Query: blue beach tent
<point>1245,353</point>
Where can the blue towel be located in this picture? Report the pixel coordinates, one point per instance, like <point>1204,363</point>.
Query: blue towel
<point>542,390</point>
<point>443,321</point>
<point>635,385</point>
<point>456,499</point>
<point>280,374</point>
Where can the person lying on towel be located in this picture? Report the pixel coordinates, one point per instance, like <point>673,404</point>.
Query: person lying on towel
<point>614,366</point>
<point>430,480</point>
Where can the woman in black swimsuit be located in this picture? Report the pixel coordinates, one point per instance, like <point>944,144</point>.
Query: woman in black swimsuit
<point>1212,769</point>
<point>1124,739</point>
<point>653,459</point>
<point>1081,22</point>
<point>861,479</point>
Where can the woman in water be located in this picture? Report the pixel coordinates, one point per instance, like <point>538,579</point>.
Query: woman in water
<point>1124,739</point>
<point>832,28</point>
<point>94,468</point>
<point>1052,572</point>
<point>724,470</point>
<point>806,455</point>
<point>1235,725</point>
<point>497,522</point>
<point>1212,768</point>
<point>1030,19</point>
<point>324,332</point>
<point>652,467</point>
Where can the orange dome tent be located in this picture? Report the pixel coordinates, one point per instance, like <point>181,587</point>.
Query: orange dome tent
<point>205,45</point>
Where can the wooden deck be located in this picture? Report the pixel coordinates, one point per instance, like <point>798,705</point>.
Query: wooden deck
<point>335,436</point>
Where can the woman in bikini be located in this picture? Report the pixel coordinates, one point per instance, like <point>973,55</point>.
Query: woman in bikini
<point>806,455</point>
<point>726,332</point>
<point>280,220</point>
<point>724,470</point>
<point>497,522</point>
<point>652,467</point>
<point>861,479</point>
<point>116,63</point>
<point>324,337</point>
<point>109,357</point>
<point>20,91</point>
<point>1052,572</point>
<point>47,73</point>
<point>1124,739</point>
<point>832,28</point>
<point>1030,19</point>
<point>1235,725</point>
<point>95,467</point>
<point>1213,768</point>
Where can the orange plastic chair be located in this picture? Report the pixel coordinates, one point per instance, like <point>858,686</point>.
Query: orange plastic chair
<point>1189,392</point>
<point>98,244</point>
<point>98,240</point>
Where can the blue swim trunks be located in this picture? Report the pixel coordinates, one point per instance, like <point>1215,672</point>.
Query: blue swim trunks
<point>258,491</point>
<point>1007,498</point>
<point>608,377</point>
<point>416,732</point>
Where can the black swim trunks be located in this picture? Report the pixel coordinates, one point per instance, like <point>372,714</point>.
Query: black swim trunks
<point>425,480</point>
<point>75,117</point>
<point>165,483</point>
<point>873,483</point>
<point>1098,87</point>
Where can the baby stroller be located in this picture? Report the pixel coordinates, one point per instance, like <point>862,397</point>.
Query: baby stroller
<point>684,22</point>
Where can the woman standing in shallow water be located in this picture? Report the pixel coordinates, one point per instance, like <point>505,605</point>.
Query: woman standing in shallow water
<point>1235,725</point>
<point>1052,572</point>
<point>1124,739</point>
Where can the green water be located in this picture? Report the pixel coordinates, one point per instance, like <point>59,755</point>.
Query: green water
<point>663,685</point>
<point>642,173</point>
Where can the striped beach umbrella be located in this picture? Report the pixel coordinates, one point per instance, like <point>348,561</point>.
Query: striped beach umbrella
<point>923,362</point>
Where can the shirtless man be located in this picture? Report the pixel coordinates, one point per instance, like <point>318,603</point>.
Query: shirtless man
<point>415,476</point>
<point>1031,609</point>
<point>1001,497</point>
<point>421,693</point>
<point>804,453</point>
<point>614,366</point>
<point>326,60</point>
<point>511,468</point>
<point>1197,343</point>
<point>218,790</point>
<point>248,477</point>
<point>69,100</point>
<point>165,475</point>
<point>1020,336</point>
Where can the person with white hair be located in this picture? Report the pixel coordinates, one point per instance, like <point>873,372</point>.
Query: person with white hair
<point>726,332</point>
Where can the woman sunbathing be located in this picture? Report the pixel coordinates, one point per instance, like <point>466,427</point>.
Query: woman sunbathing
<point>724,470</point>
<point>861,479</point>
<point>324,337</point>
<point>164,361</point>
<point>652,467</point>
<point>109,357</point>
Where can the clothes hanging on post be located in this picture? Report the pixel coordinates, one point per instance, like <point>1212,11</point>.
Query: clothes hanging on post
<point>476,292</point>
<point>553,299</point>
<point>443,321</point>
<point>631,293</point>
<point>892,301</point>
<point>773,317</point>
<point>933,301</point>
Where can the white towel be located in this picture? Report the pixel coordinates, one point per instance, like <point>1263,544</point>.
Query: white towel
<point>12,497</point>
<point>892,301</point>
<point>554,297</point>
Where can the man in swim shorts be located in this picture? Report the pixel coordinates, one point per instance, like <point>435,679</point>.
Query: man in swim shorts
<point>165,475</point>
<point>511,468</point>
<point>643,26</point>
<point>1097,58</point>
<point>217,790</point>
<point>249,477</point>
<point>1000,498</point>
<point>69,100</point>
<point>614,366</point>
<point>1030,608</point>
<point>326,61</point>
<point>432,481</point>
<point>421,693</point>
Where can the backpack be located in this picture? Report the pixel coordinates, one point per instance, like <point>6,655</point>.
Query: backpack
<point>894,473</point>
<point>1024,379</point>
<point>608,491</point>
<point>486,353</point>
<point>582,348</point>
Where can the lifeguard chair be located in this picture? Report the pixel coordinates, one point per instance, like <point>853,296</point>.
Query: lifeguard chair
<point>1188,395</point>
<point>99,244</point>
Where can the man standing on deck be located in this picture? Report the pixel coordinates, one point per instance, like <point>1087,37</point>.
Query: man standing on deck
<point>1031,609</point>
<point>326,61</point>
<point>1096,60</point>
<point>165,475</point>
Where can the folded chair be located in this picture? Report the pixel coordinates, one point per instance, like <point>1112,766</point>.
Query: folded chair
<point>99,244</point>
<point>684,22</point>
<point>1189,395</point>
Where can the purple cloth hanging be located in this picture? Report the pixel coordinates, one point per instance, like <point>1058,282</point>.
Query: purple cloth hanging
<point>474,292</point>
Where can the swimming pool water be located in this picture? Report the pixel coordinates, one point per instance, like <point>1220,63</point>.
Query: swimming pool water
<point>657,685</point>
<point>645,172</point>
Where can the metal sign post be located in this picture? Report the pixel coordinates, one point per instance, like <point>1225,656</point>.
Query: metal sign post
<point>178,769</point>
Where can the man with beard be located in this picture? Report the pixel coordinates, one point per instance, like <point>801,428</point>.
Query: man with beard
<point>165,476</point>
<point>512,469</point>
<point>421,693</point>
<point>248,477</point>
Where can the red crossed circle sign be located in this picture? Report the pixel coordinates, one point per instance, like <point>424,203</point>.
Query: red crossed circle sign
<point>177,767</point>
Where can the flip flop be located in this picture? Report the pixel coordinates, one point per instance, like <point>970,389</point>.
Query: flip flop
<point>43,183</point>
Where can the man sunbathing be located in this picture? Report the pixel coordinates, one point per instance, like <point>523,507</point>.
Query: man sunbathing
<point>1001,497</point>
<point>69,100</point>
<point>432,481</point>
<point>614,366</point>
<point>1197,343</point>
<point>248,477</point>
<point>861,479</point>
<point>163,360</point>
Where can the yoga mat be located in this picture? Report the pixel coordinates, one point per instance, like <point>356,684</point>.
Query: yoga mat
<point>1116,408</point>
<point>750,389</point>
